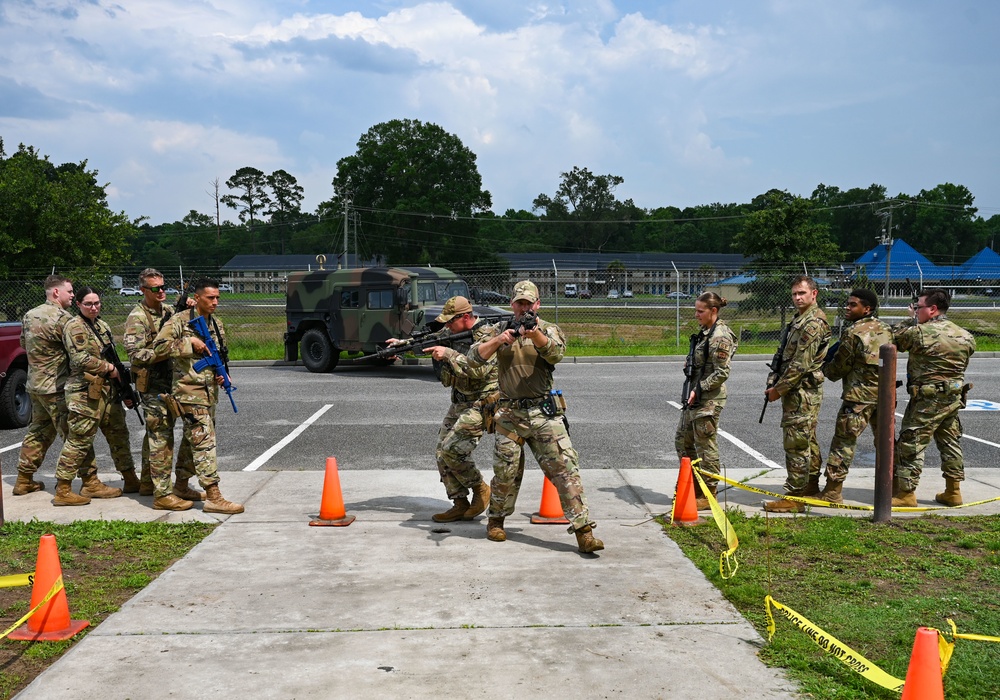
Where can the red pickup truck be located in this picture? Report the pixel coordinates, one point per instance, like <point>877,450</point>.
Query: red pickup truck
<point>15,406</point>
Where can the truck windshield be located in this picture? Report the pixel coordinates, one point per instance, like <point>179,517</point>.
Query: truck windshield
<point>441,290</point>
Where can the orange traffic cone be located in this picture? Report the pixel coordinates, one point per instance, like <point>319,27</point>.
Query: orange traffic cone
<point>550,512</point>
<point>51,622</point>
<point>331,507</point>
<point>685,510</point>
<point>923,677</point>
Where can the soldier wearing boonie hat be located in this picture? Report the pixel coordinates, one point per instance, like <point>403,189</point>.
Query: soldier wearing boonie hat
<point>530,414</point>
<point>473,397</point>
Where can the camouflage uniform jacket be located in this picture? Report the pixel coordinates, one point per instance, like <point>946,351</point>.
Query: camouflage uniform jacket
<point>802,360</point>
<point>525,372</point>
<point>856,360</point>
<point>84,343</point>
<point>141,328</point>
<point>720,350</point>
<point>42,338</point>
<point>939,354</point>
<point>174,340</point>
<point>468,383</point>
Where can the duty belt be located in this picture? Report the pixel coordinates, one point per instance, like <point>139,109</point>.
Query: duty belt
<point>943,387</point>
<point>523,403</point>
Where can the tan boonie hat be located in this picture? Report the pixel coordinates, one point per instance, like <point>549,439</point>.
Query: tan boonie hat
<point>456,306</point>
<point>525,291</point>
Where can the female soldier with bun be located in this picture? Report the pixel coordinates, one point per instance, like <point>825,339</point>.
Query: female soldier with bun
<point>707,367</point>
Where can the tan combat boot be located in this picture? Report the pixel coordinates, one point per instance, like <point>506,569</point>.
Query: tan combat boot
<point>171,502</point>
<point>454,513</point>
<point>494,530</point>
<point>215,503</point>
<point>812,487</point>
<point>785,506</point>
<point>832,491</point>
<point>952,494</point>
<point>586,541</point>
<point>182,490</point>
<point>65,496</point>
<point>701,502</point>
<point>131,484</point>
<point>93,488</point>
<point>480,501</point>
<point>25,484</point>
<point>904,499</point>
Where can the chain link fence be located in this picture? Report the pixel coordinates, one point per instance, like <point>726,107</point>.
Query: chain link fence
<point>617,312</point>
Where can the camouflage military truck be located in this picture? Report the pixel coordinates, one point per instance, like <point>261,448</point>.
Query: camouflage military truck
<point>357,310</point>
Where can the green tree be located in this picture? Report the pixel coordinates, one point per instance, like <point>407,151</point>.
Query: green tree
<point>56,216</point>
<point>851,215</point>
<point>253,198</point>
<point>941,224</point>
<point>418,189</point>
<point>595,218</point>
<point>778,237</point>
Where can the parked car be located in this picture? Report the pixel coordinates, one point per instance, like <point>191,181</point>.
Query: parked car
<point>225,287</point>
<point>129,292</point>
<point>613,294</point>
<point>585,294</point>
<point>486,296</point>
<point>15,404</point>
<point>678,295</point>
<point>627,294</point>
<point>171,290</point>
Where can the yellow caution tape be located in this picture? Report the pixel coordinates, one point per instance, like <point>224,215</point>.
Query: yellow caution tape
<point>727,560</point>
<point>834,647</point>
<point>973,637</point>
<point>56,587</point>
<point>843,506</point>
<point>15,580</point>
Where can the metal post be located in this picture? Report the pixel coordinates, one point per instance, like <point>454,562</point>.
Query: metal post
<point>677,302</point>
<point>555,293</point>
<point>886,446</point>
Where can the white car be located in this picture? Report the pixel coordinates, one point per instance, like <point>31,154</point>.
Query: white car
<point>627,294</point>
<point>225,287</point>
<point>613,294</point>
<point>129,292</point>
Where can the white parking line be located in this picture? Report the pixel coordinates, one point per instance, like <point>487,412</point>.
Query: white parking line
<point>967,437</point>
<point>740,444</point>
<point>10,447</point>
<point>287,439</point>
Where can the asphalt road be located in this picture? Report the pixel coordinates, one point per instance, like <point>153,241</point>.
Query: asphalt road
<point>622,415</point>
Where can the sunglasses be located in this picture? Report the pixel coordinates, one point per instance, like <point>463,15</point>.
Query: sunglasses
<point>157,289</point>
<point>90,304</point>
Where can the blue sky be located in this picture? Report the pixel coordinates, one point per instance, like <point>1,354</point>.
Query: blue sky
<point>690,102</point>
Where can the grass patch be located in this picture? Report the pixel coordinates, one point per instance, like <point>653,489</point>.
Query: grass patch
<point>870,586</point>
<point>104,563</point>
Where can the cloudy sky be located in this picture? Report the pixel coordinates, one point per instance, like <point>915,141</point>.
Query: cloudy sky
<point>690,101</point>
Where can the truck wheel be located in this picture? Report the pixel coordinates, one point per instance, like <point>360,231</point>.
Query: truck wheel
<point>15,404</point>
<point>318,353</point>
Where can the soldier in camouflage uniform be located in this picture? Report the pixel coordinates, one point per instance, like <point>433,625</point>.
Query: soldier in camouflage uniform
<point>529,414</point>
<point>800,388</point>
<point>474,392</point>
<point>92,402</point>
<point>194,395</point>
<point>697,433</point>
<point>935,380</point>
<point>855,360</point>
<point>153,378</point>
<point>48,366</point>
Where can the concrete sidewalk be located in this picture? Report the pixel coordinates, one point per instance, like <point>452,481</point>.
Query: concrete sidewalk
<point>396,605</point>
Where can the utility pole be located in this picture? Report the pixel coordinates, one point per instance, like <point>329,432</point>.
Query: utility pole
<point>886,239</point>
<point>347,207</point>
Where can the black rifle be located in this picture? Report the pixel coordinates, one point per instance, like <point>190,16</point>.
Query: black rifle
<point>123,384</point>
<point>692,374</point>
<point>527,322</point>
<point>776,366</point>
<point>423,339</point>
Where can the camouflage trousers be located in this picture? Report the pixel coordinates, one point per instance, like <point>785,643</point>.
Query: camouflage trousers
<point>851,422</point>
<point>799,416</point>
<point>158,447</point>
<point>199,432</point>
<point>80,442</point>
<point>929,417</point>
<point>697,437</point>
<point>549,442</point>
<point>48,419</point>
<point>461,431</point>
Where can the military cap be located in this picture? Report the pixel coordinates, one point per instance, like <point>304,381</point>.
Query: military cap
<point>456,306</point>
<point>525,291</point>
